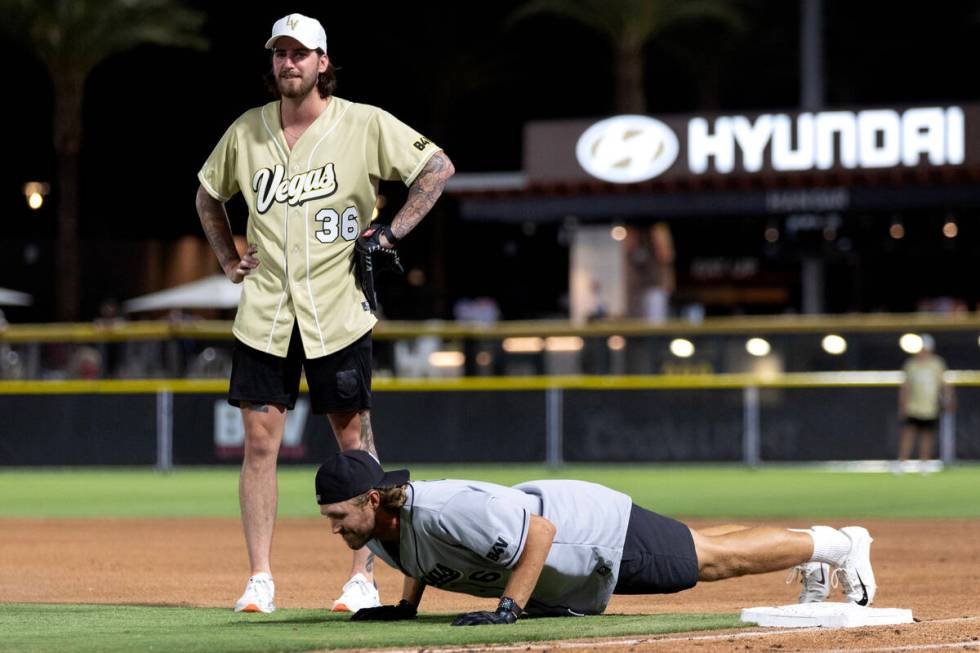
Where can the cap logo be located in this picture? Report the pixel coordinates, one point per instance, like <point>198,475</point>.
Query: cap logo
<point>292,22</point>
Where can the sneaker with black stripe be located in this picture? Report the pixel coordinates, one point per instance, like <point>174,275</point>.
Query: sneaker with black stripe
<point>816,578</point>
<point>857,578</point>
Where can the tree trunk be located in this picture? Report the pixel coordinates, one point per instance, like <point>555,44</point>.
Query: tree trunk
<point>67,146</point>
<point>630,94</point>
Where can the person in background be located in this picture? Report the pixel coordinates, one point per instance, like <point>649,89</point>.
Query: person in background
<point>921,399</point>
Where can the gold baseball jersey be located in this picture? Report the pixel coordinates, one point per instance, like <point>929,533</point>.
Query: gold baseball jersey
<point>924,386</point>
<point>306,207</point>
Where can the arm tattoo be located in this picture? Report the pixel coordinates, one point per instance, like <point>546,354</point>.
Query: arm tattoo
<point>367,435</point>
<point>422,194</point>
<point>217,228</point>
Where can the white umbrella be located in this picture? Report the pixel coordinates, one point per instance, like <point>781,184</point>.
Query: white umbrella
<point>14,298</point>
<point>213,292</point>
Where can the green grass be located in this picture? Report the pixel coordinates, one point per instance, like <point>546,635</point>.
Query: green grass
<point>109,628</point>
<point>677,490</point>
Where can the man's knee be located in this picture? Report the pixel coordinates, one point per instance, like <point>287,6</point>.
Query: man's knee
<point>263,430</point>
<point>715,561</point>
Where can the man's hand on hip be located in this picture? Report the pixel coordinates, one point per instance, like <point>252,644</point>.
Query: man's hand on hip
<point>236,271</point>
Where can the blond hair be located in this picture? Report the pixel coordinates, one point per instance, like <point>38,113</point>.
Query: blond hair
<point>392,498</point>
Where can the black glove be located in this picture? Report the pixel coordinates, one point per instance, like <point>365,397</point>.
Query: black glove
<point>404,610</point>
<point>367,245</point>
<point>507,612</point>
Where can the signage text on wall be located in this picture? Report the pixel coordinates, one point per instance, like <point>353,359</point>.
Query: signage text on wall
<point>630,149</point>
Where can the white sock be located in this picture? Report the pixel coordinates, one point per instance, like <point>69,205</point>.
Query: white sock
<point>262,575</point>
<point>829,544</point>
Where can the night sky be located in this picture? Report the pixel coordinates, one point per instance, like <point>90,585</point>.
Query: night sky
<point>460,74</point>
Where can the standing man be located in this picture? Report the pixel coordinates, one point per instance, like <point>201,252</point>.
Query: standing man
<point>554,548</point>
<point>921,399</point>
<point>308,165</point>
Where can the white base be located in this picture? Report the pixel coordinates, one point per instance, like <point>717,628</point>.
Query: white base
<point>828,615</point>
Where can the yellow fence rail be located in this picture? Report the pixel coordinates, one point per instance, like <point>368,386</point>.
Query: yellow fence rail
<point>393,330</point>
<point>510,383</point>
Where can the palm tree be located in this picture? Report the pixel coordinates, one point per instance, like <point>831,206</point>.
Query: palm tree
<point>629,25</point>
<point>71,37</point>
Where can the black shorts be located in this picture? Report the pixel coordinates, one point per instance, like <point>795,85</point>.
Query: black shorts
<point>339,382</point>
<point>924,424</point>
<point>658,555</point>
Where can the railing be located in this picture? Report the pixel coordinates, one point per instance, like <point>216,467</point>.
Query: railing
<point>559,411</point>
<point>417,349</point>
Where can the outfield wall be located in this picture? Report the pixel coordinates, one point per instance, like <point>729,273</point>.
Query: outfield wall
<point>716,418</point>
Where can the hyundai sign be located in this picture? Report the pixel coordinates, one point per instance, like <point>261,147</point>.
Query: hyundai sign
<point>627,149</point>
<point>631,149</point>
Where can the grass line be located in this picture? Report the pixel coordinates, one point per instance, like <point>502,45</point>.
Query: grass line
<point>685,491</point>
<point>109,628</point>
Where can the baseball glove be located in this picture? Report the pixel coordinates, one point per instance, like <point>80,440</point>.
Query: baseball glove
<point>370,255</point>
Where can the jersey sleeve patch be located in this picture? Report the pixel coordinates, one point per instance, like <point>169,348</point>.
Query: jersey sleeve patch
<point>402,151</point>
<point>492,528</point>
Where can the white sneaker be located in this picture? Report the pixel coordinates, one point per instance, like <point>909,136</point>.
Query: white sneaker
<point>258,595</point>
<point>358,593</point>
<point>857,579</point>
<point>817,580</point>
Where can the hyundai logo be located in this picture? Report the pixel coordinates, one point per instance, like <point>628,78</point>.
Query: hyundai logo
<point>627,149</point>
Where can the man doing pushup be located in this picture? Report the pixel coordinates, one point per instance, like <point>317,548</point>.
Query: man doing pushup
<point>554,547</point>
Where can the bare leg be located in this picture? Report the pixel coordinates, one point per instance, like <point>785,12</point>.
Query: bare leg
<point>723,529</point>
<point>258,493</point>
<point>353,431</point>
<point>750,551</point>
<point>927,440</point>
<point>906,442</point>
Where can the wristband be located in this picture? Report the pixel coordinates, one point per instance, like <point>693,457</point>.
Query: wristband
<point>390,237</point>
<point>509,605</point>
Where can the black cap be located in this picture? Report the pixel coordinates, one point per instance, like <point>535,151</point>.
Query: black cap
<point>351,473</point>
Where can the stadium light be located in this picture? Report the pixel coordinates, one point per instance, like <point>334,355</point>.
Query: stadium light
<point>897,228</point>
<point>758,347</point>
<point>484,358</point>
<point>834,344</point>
<point>447,359</point>
<point>950,228</point>
<point>616,343</point>
<point>34,192</point>
<point>523,345</point>
<point>618,232</point>
<point>564,343</point>
<point>682,347</point>
<point>911,343</point>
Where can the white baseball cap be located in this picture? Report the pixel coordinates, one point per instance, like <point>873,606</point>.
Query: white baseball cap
<point>304,29</point>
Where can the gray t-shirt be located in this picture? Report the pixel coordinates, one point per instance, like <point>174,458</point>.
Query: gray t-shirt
<point>466,536</point>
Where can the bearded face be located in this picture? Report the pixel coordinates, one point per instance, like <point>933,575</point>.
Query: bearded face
<point>353,520</point>
<point>296,68</point>
<point>296,83</point>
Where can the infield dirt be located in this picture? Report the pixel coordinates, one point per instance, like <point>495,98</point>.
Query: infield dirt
<point>932,567</point>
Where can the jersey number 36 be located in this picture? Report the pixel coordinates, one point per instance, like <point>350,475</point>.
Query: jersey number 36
<point>335,225</point>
